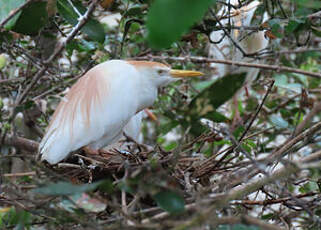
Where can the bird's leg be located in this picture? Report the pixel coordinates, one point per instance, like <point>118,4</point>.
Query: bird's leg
<point>103,152</point>
<point>246,91</point>
<point>237,119</point>
<point>90,151</point>
<point>151,115</point>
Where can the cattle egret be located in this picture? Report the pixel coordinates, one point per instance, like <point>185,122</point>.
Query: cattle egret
<point>104,103</point>
<point>250,42</point>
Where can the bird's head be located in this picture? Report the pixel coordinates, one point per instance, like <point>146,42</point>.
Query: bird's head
<point>162,74</point>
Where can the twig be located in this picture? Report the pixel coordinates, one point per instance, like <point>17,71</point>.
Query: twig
<point>315,110</point>
<point>239,192</point>
<point>82,21</point>
<point>315,15</point>
<point>294,51</point>
<point>248,220</point>
<point>22,143</point>
<point>19,174</point>
<point>289,144</point>
<point>275,155</point>
<point>228,34</point>
<point>273,201</point>
<point>257,111</point>
<point>197,59</point>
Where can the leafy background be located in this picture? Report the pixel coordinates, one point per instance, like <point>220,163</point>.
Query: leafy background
<point>194,156</point>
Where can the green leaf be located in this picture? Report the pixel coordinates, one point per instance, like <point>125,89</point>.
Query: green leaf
<point>8,6</point>
<point>3,61</point>
<point>32,19</point>
<point>314,4</point>
<point>172,145</point>
<point>291,26</point>
<point>135,10</point>
<point>65,188</point>
<point>170,202</point>
<point>212,97</point>
<point>268,216</point>
<point>168,20</point>
<point>281,81</point>
<point>165,128</point>
<point>92,28</point>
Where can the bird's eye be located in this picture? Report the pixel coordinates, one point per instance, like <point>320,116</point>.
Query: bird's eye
<point>160,71</point>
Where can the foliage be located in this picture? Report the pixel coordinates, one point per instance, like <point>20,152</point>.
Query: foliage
<point>213,136</point>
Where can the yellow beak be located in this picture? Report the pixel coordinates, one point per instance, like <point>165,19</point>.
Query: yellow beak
<point>185,73</point>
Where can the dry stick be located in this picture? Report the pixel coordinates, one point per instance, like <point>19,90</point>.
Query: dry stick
<point>300,50</point>
<point>22,143</point>
<point>273,201</point>
<point>280,152</point>
<point>248,220</point>
<point>228,34</point>
<point>252,171</point>
<point>197,59</point>
<point>82,21</point>
<point>239,192</point>
<point>19,174</point>
<point>14,12</point>
<point>316,109</point>
<point>315,15</point>
<point>205,163</point>
<point>257,112</point>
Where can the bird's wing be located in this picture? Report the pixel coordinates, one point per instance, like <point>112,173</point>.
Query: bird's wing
<point>92,109</point>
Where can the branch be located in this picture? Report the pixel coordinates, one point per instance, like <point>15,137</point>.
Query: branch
<point>247,220</point>
<point>222,201</point>
<point>229,62</point>
<point>22,143</point>
<point>315,15</point>
<point>315,110</point>
<point>274,201</point>
<point>82,21</point>
<point>289,144</point>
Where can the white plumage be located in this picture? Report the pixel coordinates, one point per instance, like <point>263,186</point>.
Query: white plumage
<point>103,104</point>
<point>226,50</point>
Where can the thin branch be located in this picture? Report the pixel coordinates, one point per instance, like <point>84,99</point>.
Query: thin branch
<point>257,111</point>
<point>274,201</point>
<point>22,143</point>
<point>82,21</point>
<point>197,59</point>
<point>247,220</point>
<point>315,110</point>
<point>239,192</point>
<point>315,15</point>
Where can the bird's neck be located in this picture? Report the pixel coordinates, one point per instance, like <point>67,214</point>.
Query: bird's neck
<point>147,93</point>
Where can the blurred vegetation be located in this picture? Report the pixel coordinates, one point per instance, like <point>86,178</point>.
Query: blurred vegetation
<point>194,166</point>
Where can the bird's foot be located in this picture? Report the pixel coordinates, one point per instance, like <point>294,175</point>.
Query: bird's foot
<point>237,119</point>
<point>246,91</point>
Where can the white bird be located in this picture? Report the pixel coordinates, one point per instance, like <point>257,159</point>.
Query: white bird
<point>225,50</point>
<point>250,43</point>
<point>103,104</point>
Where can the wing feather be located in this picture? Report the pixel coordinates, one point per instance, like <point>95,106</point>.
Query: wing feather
<point>94,111</point>
<point>74,110</point>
